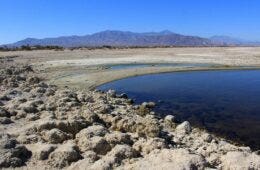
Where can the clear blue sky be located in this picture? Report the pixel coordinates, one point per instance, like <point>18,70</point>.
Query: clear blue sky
<point>50,18</point>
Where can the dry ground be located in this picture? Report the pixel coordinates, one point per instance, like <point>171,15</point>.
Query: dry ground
<point>85,68</point>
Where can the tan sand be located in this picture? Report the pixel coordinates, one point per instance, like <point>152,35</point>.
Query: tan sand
<point>85,68</point>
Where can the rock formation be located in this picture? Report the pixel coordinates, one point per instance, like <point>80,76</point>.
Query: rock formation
<point>44,127</point>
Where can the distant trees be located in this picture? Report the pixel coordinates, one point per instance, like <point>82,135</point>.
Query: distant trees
<point>26,48</point>
<point>4,48</point>
<point>29,48</point>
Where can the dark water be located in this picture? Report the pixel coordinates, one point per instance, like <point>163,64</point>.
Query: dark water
<point>130,66</point>
<point>224,102</point>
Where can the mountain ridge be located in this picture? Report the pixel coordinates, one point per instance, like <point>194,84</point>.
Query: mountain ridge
<point>128,38</point>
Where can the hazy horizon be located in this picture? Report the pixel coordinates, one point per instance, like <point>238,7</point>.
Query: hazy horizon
<point>132,32</point>
<point>43,19</point>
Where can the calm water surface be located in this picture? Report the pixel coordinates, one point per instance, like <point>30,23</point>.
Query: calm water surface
<point>224,102</point>
<point>132,66</point>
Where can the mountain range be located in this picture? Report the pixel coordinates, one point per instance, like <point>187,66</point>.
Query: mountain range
<point>126,38</point>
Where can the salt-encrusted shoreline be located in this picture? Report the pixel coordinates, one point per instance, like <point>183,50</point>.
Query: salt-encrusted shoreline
<point>44,127</point>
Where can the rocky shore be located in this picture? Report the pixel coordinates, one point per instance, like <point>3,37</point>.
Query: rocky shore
<point>46,127</point>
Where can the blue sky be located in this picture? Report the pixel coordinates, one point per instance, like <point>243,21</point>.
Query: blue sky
<point>50,18</point>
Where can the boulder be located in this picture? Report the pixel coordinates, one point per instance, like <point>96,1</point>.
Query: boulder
<point>14,156</point>
<point>29,107</point>
<point>6,142</point>
<point>89,158</point>
<point>118,138</point>
<point>111,93</point>
<point>143,126</point>
<point>72,126</point>
<point>5,120</point>
<point>28,139</point>
<point>64,155</point>
<point>148,145</point>
<point>184,128</point>
<point>4,112</point>
<point>33,80</point>
<point>240,161</point>
<point>207,137</point>
<point>123,96</point>
<point>115,157</point>
<point>54,136</point>
<point>148,104</point>
<point>50,92</point>
<point>170,118</point>
<point>169,121</point>
<point>90,116</point>
<point>95,130</point>
<point>96,143</point>
<point>168,159</point>
<point>41,151</point>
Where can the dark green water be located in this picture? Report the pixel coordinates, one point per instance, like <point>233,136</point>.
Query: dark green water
<point>224,102</point>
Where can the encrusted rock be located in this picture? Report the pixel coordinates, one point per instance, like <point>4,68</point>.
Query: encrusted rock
<point>29,107</point>
<point>169,121</point>
<point>97,144</point>
<point>72,126</point>
<point>89,158</point>
<point>90,116</point>
<point>111,93</point>
<point>5,120</point>
<point>148,104</point>
<point>33,80</point>
<point>64,155</point>
<point>147,145</point>
<point>240,160</point>
<point>50,92</point>
<point>143,126</point>
<point>91,139</point>
<point>6,142</point>
<point>170,159</point>
<point>184,128</point>
<point>115,157</point>
<point>42,151</point>
<point>118,138</point>
<point>170,118</point>
<point>207,137</point>
<point>28,139</point>
<point>55,136</point>
<point>123,95</point>
<point>4,113</point>
<point>91,131</point>
<point>11,154</point>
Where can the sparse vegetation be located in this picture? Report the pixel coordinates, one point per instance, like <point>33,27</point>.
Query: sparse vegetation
<point>29,48</point>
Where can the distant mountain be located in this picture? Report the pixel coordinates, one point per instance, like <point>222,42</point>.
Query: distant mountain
<point>227,40</point>
<point>126,38</point>
<point>120,38</point>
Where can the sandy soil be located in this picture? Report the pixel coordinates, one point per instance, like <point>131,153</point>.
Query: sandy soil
<point>85,68</point>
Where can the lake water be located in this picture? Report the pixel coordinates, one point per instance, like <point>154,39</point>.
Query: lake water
<point>224,102</point>
<point>136,65</point>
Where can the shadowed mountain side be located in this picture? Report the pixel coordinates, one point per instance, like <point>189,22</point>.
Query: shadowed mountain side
<point>120,38</point>
<point>126,38</point>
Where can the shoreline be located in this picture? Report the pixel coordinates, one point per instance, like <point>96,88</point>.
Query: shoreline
<point>193,69</point>
<point>234,141</point>
<point>89,81</point>
<point>56,64</point>
<point>72,129</point>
